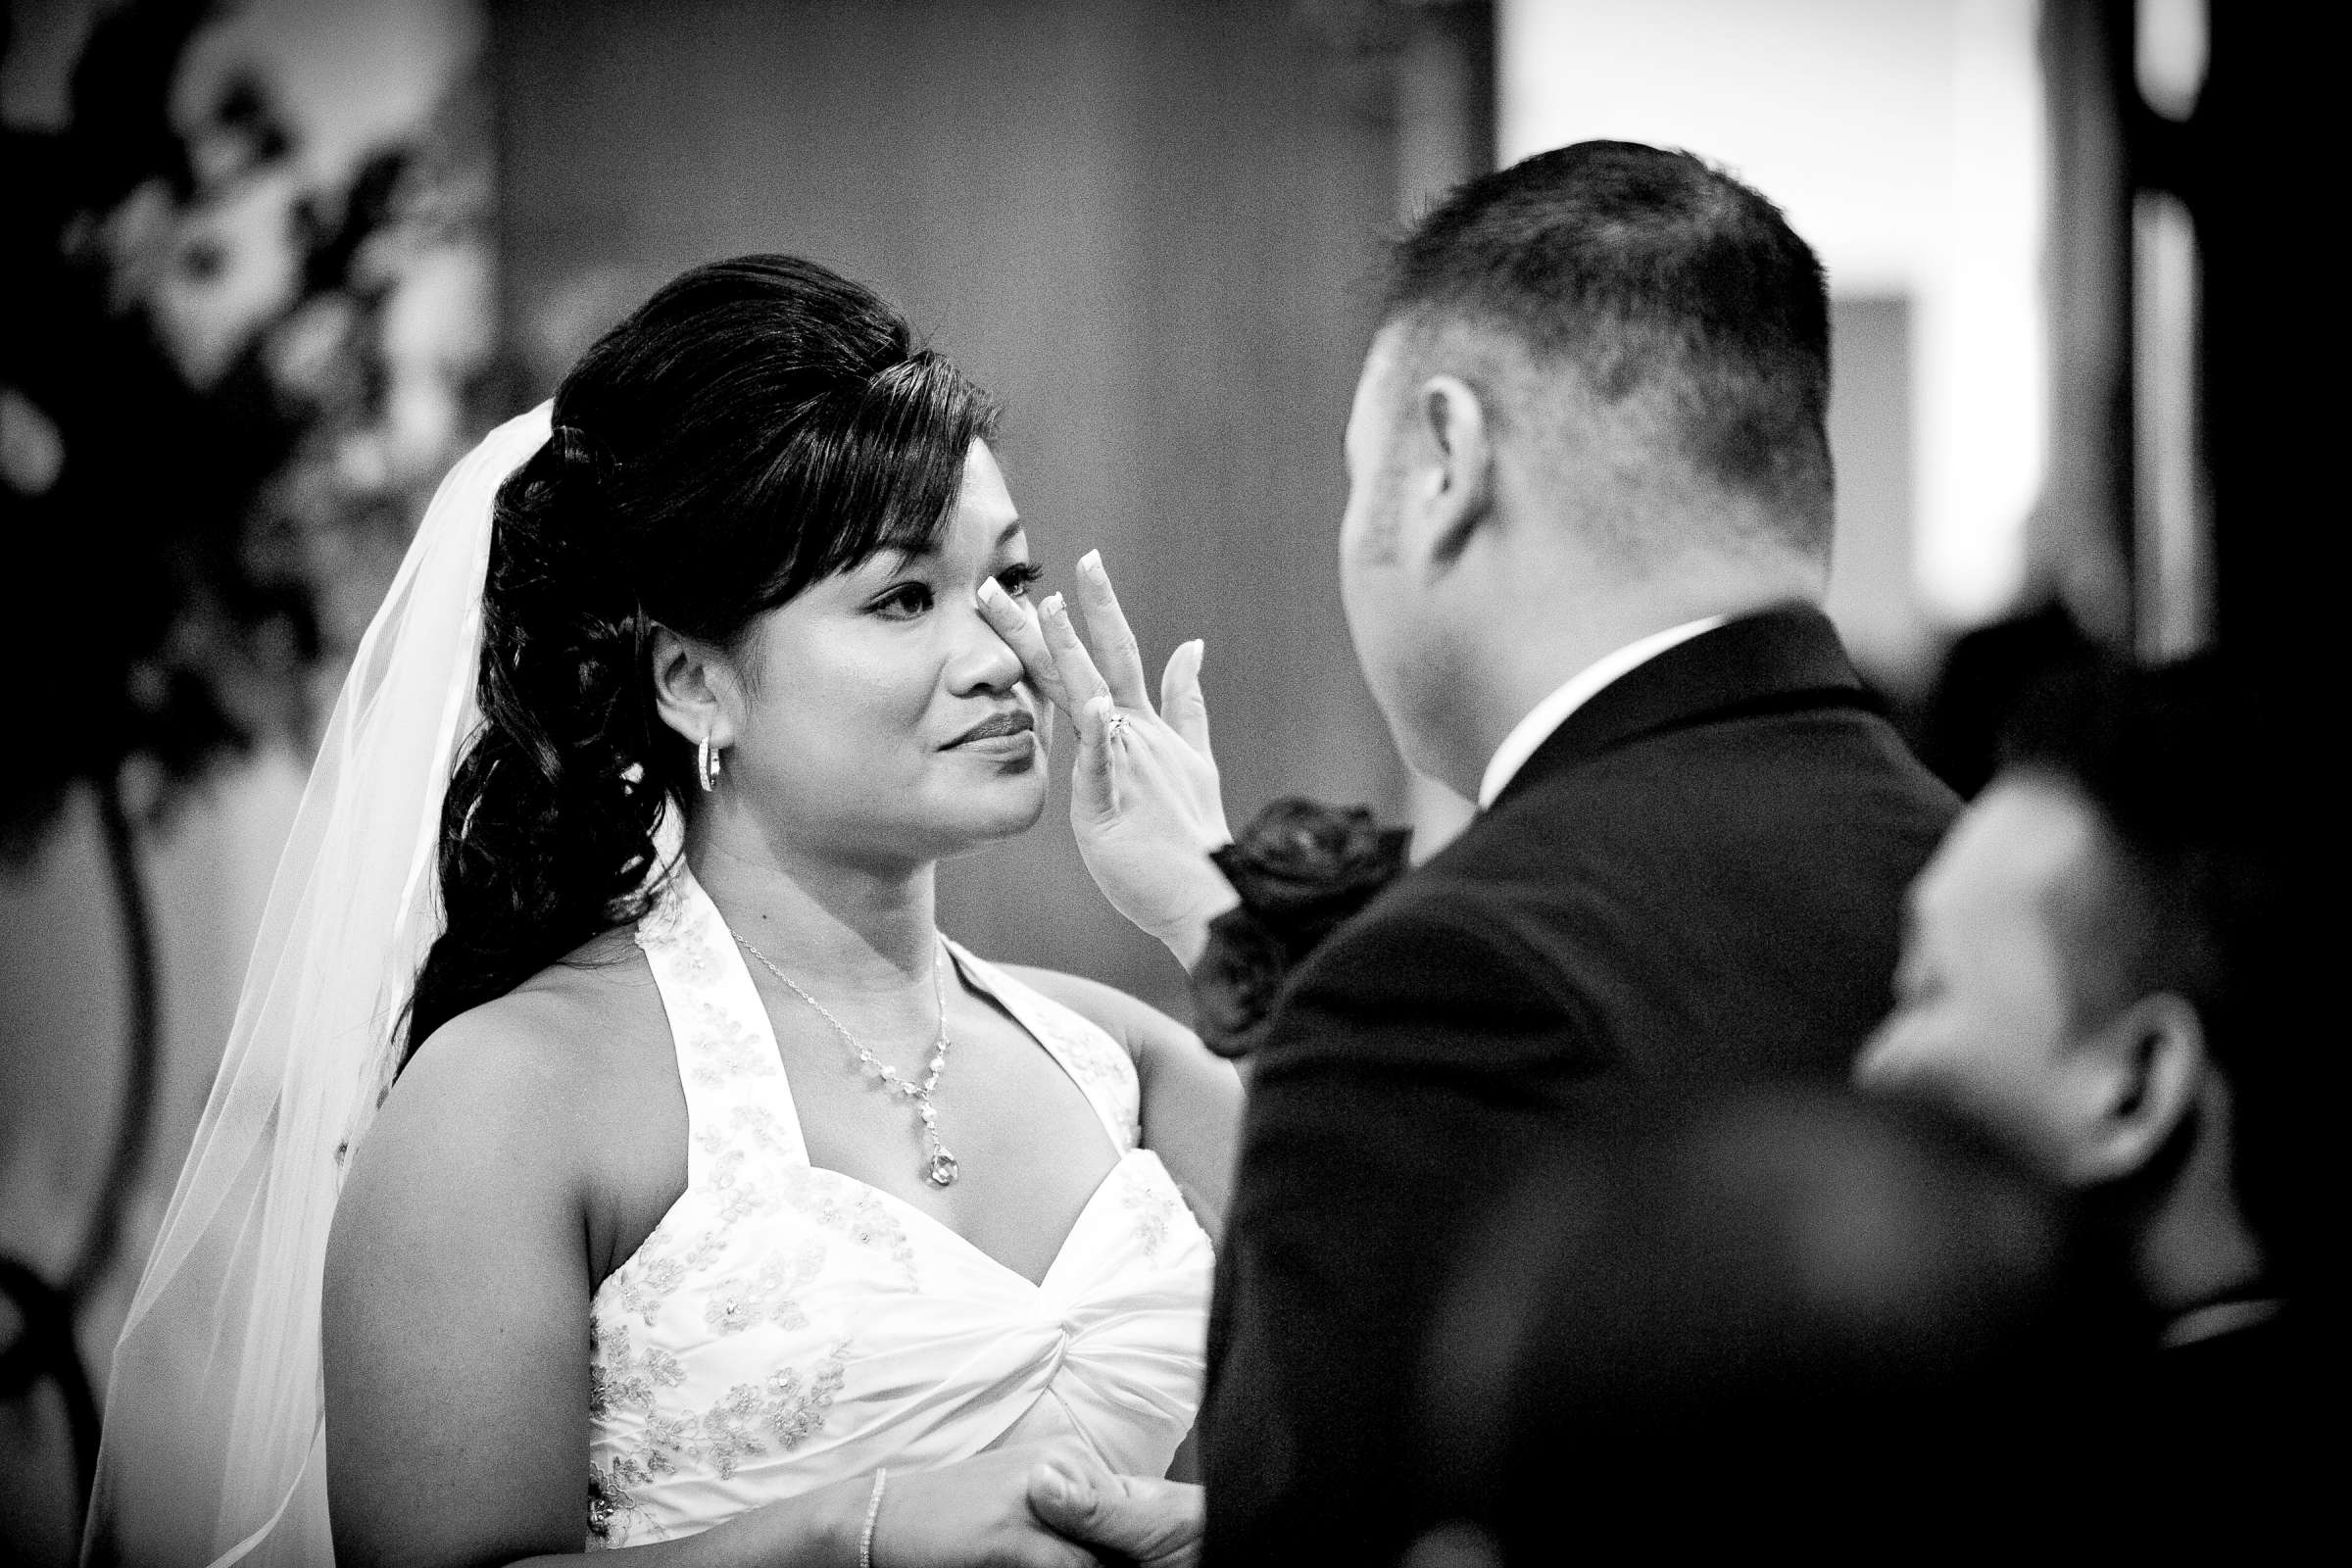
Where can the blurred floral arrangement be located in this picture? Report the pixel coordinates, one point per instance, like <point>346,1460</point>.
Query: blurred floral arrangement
<point>227,383</point>
<point>224,389</point>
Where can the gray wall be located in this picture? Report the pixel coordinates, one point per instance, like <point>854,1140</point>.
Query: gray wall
<point>1874,596</point>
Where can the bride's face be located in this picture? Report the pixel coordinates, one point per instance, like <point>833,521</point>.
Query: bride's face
<point>881,717</point>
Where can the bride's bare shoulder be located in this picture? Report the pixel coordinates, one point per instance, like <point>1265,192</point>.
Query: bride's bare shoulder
<point>1161,1046</point>
<point>581,1040</point>
<point>1130,1020</point>
<point>556,1106</point>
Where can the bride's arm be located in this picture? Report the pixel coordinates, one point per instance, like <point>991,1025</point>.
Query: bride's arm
<point>456,1313</point>
<point>1191,1099</point>
<point>455,1337</point>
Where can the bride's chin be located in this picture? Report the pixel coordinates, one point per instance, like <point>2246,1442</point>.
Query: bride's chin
<point>1014,812</point>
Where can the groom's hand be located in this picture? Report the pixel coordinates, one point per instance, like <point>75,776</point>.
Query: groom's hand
<point>1152,1523</point>
<point>1145,799</point>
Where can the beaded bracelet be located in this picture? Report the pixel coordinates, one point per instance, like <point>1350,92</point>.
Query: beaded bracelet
<point>873,1512</point>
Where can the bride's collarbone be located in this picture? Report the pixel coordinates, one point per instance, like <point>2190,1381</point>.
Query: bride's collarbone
<point>1029,1147</point>
<point>1030,1150</point>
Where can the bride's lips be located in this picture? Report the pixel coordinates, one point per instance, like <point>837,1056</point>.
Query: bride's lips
<point>996,727</point>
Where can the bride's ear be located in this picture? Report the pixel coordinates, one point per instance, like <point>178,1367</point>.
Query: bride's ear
<point>696,688</point>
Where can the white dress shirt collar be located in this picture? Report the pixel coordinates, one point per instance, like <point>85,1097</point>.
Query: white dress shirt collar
<point>1572,693</point>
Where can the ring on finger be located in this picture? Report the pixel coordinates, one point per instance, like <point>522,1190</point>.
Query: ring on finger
<point>1115,726</point>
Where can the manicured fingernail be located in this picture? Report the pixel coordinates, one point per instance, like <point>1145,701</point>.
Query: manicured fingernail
<point>1200,647</point>
<point>993,594</point>
<point>1053,606</point>
<point>1092,562</point>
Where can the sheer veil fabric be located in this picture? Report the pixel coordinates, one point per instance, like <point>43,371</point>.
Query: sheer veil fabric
<point>215,1441</point>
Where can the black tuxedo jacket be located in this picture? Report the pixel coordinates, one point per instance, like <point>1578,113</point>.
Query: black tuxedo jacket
<point>1696,877</point>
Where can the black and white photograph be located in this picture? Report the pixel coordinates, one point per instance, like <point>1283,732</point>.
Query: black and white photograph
<point>1166,783</point>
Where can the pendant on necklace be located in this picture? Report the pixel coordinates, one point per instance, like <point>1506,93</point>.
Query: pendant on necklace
<point>940,1168</point>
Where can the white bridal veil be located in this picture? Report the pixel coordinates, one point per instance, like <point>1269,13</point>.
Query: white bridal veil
<point>214,1446</point>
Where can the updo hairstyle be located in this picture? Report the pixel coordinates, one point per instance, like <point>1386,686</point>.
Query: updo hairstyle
<point>759,425</point>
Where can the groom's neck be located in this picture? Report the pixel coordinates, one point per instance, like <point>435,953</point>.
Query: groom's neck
<point>1563,627</point>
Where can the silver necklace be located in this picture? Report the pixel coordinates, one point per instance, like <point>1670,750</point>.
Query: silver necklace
<point>940,1169</point>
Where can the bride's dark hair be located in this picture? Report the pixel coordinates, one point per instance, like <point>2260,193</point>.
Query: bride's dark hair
<point>758,425</point>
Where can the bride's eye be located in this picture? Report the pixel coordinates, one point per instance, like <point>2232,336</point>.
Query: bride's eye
<point>904,602</point>
<point>1017,578</point>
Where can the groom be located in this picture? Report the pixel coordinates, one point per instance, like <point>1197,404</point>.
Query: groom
<point>1585,543</point>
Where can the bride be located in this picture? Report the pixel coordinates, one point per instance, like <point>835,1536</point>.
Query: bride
<point>716,1206</point>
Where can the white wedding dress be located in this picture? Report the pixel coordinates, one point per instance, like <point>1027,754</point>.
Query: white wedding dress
<point>784,1326</point>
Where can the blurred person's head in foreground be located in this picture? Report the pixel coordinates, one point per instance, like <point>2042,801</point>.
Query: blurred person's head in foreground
<point>1785,1315</point>
<point>1594,409</point>
<point>2096,963</point>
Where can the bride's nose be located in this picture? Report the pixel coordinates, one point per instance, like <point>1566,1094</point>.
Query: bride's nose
<point>982,660</point>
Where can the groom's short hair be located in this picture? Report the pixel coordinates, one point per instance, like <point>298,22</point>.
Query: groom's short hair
<point>1649,273</point>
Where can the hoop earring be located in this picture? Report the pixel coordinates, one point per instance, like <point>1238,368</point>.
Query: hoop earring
<point>709,764</point>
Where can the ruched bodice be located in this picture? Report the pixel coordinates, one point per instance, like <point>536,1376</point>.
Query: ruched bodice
<point>785,1327</point>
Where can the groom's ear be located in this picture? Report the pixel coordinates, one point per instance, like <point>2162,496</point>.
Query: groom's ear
<point>1454,486</point>
<point>696,688</point>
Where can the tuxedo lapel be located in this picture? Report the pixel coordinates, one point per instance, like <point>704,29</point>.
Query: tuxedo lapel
<point>1771,658</point>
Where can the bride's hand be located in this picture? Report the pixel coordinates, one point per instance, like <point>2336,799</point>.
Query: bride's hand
<point>1144,800</point>
<point>979,1513</point>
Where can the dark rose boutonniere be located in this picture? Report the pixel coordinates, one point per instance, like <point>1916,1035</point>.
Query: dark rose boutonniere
<point>1300,870</point>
